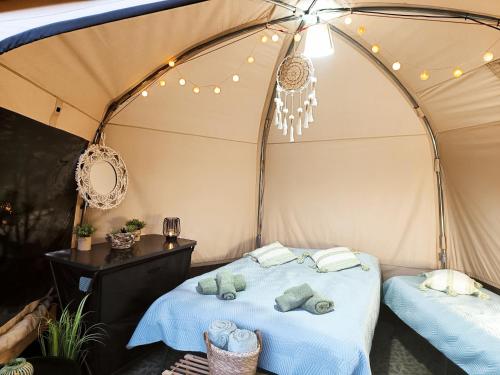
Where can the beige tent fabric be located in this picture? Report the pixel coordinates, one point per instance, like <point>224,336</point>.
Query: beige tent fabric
<point>360,176</point>
<point>22,96</point>
<point>208,183</point>
<point>470,159</point>
<point>364,127</point>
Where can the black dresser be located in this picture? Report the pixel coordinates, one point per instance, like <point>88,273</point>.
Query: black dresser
<point>122,285</point>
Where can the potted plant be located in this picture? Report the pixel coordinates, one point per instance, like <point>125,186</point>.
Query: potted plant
<point>135,226</point>
<point>64,342</point>
<point>84,233</point>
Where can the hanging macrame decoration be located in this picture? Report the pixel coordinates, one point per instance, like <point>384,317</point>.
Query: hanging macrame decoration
<point>295,95</point>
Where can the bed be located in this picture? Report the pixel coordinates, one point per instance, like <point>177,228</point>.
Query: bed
<point>294,342</point>
<point>464,328</point>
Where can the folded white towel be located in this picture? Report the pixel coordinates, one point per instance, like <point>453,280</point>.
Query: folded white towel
<point>242,341</point>
<point>218,332</point>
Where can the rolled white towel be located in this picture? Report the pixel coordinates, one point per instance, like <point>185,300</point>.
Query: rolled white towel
<point>242,341</point>
<point>218,332</point>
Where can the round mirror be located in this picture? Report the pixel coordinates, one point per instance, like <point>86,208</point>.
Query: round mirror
<point>102,177</point>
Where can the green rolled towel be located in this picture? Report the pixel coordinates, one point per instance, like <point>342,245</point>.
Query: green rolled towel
<point>294,297</point>
<point>239,282</point>
<point>318,304</point>
<point>209,285</point>
<point>225,285</point>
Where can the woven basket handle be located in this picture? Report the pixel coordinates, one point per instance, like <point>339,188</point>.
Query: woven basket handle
<point>207,343</point>
<point>259,339</point>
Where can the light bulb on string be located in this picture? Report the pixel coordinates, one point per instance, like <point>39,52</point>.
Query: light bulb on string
<point>264,39</point>
<point>361,30</point>
<point>297,37</point>
<point>457,72</point>
<point>236,78</point>
<point>196,90</point>
<point>250,59</point>
<point>182,81</point>
<point>162,83</point>
<point>144,93</point>
<point>424,76</point>
<point>275,38</point>
<point>348,20</point>
<point>217,90</point>
<point>396,66</point>
<point>375,48</point>
<point>171,63</point>
<point>488,56</point>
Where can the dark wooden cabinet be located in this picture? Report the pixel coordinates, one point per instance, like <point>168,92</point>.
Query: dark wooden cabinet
<point>122,285</point>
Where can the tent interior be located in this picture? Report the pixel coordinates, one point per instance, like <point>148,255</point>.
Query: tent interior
<point>398,164</point>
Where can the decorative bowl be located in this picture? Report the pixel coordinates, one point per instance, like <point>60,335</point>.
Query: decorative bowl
<point>120,241</point>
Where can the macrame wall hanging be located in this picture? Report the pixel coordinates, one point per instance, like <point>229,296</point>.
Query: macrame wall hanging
<point>295,95</point>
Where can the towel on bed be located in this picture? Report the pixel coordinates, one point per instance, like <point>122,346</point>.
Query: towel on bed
<point>225,285</point>
<point>208,286</point>
<point>318,304</point>
<point>219,331</point>
<point>294,297</point>
<point>242,341</point>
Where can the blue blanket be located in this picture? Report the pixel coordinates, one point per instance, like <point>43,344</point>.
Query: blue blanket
<point>465,328</point>
<point>295,342</point>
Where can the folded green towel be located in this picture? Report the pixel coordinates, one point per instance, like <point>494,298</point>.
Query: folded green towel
<point>239,281</point>
<point>318,304</point>
<point>209,285</point>
<point>294,297</point>
<point>225,285</point>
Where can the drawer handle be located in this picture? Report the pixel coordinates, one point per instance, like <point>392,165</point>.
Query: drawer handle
<point>153,270</point>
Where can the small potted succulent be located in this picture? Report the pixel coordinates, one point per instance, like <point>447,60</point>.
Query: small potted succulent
<point>84,233</point>
<point>134,226</point>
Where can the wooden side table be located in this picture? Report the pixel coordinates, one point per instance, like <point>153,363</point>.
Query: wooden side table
<point>122,285</point>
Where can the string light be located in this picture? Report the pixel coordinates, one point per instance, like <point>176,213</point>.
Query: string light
<point>361,30</point>
<point>216,90</point>
<point>488,56</point>
<point>182,81</point>
<point>162,83</point>
<point>250,59</point>
<point>275,38</point>
<point>144,93</point>
<point>375,48</point>
<point>297,37</point>
<point>171,63</point>
<point>424,76</point>
<point>396,66</point>
<point>348,20</point>
<point>196,90</point>
<point>457,72</point>
<point>264,39</point>
<point>236,78</point>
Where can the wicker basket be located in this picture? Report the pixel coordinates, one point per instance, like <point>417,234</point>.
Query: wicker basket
<point>222,362</point>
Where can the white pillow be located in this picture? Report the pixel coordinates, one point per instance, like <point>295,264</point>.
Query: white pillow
<point>335,259</point>
<point>453,283</point>
<point>272,255</point>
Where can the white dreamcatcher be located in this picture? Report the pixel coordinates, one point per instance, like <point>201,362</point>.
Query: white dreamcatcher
<point>295,95</point>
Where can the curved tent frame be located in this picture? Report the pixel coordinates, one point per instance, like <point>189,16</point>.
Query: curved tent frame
<point>45,31</point>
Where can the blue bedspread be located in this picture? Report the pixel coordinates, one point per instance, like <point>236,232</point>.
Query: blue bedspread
<point>465,328</point>
<point>294,342</point>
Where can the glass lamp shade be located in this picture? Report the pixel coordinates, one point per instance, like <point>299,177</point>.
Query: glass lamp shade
<point>171,227</point>
<point>318,41</point>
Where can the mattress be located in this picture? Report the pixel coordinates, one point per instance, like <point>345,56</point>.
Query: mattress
<point>464,328</point>
<point>295,342</point>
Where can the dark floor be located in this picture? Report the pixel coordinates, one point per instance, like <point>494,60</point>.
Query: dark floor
<point>396,349</point>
